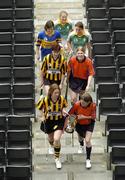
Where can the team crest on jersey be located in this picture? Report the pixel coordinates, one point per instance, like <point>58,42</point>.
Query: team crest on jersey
<point>75,40</point>
<point>67,27</point>
<point>49,65</point>
<point>45,38</point>
<point>49,108</point>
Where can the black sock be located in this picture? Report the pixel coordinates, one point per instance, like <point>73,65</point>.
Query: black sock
<point>88,152</point>
<point>81,143</point>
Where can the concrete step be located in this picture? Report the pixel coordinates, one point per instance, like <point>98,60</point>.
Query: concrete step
<point>72,176</point>
<point>47,10</point>
<point>57,1</point>
<point>45,17</point>
<point>72,12</point>
<point>73,166</point>
<point>56,5</point>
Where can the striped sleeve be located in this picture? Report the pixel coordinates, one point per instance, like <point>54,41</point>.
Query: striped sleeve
<point>40,104</point>
<point>64,67</point>
<point>65,104</point>
<point>58,37</point>
<point>44,65</point>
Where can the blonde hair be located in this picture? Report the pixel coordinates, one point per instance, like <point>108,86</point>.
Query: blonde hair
<point>63,12</point>
<point>80,48</point>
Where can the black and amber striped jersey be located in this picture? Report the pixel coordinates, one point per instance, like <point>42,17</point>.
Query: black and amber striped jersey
<point>52,111</point>
<point>54,69</point>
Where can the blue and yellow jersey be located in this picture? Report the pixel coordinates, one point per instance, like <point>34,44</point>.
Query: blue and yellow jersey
<point>46,42</point>
<point>52,111</point>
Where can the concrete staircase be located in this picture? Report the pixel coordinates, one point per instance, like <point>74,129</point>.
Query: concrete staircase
<point>49,9</point>
<point>73,163</point>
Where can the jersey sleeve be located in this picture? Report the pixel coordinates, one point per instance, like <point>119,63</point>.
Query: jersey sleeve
<point>39,40</point>
<point>44,65</point>
<point>64,67</point>
<point>65,104</point>
<point>91,68</point>
<point>93,111</point>
<point>73,109</point>
<point>69,66</point>
<point>58,37</point>
<point>40,104</point>
<point>69,37</point>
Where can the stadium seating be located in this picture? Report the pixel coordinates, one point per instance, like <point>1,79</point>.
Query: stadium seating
<point>120,61</point>
<point>116,137</point>
<point>107,90</point>
<point>2,173</point>
<point>112,3</point>
<point>115,121</point>
<point>117,156</point>
<point>100,36</point>
<point>104,60</point>
<point>18,156</point>
<point>16,56</point>
<point>2,123</point>
<point>109,106</point>
<point>19,123</point>
<point>119,172</point>
<point>5,61</point>
<point>18,173</point>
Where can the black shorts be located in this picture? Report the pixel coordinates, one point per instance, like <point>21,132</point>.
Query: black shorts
<point>77,84</point>
<point>50,126</point>
<point>49,82</point>
<point>81,129</point>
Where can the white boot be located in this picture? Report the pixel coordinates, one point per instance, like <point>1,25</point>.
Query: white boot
<point>58,163</point>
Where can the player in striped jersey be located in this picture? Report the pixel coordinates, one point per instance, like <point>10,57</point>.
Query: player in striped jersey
<point>53,68</point>
<point>46,39</point>
<point>53,107</point>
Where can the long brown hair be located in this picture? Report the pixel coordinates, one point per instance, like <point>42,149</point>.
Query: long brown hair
<point>80,25</point>
<point>52,89</point>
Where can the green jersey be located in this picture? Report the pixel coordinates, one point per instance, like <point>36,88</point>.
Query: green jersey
<point>77,41</point>
<point>64,29</point>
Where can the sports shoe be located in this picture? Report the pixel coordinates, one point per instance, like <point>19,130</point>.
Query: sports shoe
<point>58,163</point>
<point>80,150</point>
<point>88,164</point>
<point>51,150</point>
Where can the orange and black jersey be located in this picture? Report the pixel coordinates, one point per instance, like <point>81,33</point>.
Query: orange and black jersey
<point>81,69</point>
<point>52,111</point>
<point>90,110</point>
<point>54,69</point>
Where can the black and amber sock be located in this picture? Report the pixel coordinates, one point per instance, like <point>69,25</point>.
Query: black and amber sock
<point>51,143</point>
<point>57,151</point>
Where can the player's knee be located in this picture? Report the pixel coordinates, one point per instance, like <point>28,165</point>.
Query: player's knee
<point>88,142</point>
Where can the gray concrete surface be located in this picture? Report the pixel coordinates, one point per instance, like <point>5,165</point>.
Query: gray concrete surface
<point>73,163</point>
